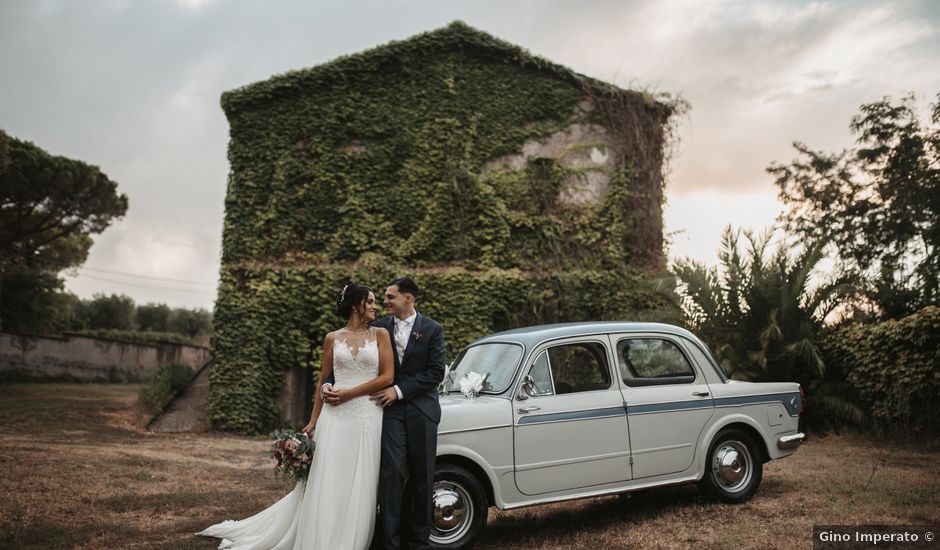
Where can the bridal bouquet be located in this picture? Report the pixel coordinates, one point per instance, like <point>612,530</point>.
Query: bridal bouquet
<point>293,452</point>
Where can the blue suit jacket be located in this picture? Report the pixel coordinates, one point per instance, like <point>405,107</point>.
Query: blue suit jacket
<point>421,368</point>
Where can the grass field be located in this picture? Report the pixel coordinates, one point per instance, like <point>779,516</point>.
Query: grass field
<point>76,471</point>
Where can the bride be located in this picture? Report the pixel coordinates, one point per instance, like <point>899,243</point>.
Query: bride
<point>335,507</point>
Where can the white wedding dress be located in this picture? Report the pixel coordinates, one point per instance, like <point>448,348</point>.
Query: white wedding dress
<point>335,508</point>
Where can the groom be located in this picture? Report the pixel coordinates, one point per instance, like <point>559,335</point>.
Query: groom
<point>412,413</point>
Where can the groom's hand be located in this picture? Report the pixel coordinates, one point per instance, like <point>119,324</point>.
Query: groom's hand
<point>331,396</point>
<point>386,397</point>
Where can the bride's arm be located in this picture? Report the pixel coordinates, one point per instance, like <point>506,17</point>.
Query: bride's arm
<point>326,370</point>
<point>386,370</point>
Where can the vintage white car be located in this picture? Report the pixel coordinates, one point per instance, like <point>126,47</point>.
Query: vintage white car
<point>579,410</point>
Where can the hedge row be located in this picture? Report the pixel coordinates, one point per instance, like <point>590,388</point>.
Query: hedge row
<point>895,367</point>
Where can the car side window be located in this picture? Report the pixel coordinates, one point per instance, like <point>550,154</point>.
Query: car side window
<point>542,376</point>
<point>652,361</point>
<point>579,367</point>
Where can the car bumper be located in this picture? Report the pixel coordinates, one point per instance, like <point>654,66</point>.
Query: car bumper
<point>790,441</point>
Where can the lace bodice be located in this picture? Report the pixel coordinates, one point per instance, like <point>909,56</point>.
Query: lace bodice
<point>355,360</point>
<point>355,357</point>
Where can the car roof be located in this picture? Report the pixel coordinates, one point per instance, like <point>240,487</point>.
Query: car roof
<point>530,336</point>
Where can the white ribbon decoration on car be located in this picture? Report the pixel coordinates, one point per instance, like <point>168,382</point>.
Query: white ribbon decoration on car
<point>472,383</point>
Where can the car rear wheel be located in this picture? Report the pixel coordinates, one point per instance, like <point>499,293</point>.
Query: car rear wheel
<point>734,468</point>
<point>458,507</point>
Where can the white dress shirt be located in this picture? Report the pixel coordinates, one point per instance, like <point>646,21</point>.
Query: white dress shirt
<point>402,334</point>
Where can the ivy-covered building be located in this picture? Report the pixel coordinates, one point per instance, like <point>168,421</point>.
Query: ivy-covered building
<point>514,190</point>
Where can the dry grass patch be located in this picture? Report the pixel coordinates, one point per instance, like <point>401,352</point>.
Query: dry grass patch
<point>76,471</point>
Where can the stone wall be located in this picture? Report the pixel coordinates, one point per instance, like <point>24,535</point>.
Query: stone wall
<point>188,411</point>
<point>86,359</point>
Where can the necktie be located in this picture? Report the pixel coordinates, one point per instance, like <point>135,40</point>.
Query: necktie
<point>401,339</point>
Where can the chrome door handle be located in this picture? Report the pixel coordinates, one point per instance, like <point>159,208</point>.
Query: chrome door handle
<point>523,410</point>
<point>700,393</point>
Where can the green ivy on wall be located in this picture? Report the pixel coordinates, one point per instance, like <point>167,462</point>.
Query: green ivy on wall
<point>376,165</point>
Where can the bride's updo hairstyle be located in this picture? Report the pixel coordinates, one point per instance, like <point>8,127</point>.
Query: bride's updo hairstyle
<point>351,298</point>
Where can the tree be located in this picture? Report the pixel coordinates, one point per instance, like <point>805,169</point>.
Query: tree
<point>118,314</point>
<point>49,208</point>
<point>153,317</point>
<point>102,312</point>
<point>763,316</point>
<point>34,302</point>
<point>4,152</point>
<point>878,204</point>
<point>191,322</point>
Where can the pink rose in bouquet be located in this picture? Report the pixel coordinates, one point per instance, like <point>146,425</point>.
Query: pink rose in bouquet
<point>292,453</point>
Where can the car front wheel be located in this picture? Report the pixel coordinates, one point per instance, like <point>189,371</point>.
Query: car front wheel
<point>459,508</point>
<point>734,468</point>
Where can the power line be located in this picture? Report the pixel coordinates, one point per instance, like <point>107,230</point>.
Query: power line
<point>145,276</point>
<point>144,286</point>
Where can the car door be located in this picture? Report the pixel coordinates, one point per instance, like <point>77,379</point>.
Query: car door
<point>572,431</point>
<point>667,399</point>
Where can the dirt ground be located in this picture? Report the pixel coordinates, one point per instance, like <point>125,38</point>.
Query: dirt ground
<point>77,471</point>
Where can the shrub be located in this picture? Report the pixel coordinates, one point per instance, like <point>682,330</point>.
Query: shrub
<point>895,367</point>
<point>169,380</point>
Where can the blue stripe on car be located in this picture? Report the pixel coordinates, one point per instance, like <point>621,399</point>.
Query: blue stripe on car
<point>665,407</point>
<point>790,401</point>
<point>574,415</point>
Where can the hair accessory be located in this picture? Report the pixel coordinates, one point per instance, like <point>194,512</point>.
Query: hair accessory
<point>342,295</point>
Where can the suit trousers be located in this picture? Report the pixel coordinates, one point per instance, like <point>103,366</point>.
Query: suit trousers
<point>409,446</point>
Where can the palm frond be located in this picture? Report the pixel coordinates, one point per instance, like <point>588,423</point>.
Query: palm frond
<point>807,352</point>
<point>757,249</point>
<point>802,266</point>
<point>839,408</point>
<point>698,287</point>
<point>735,278</point>
<point>823,299</point>
<point>771,333</point>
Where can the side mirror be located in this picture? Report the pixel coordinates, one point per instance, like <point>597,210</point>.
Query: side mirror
<point>528,388</point>
<point>445,384</point>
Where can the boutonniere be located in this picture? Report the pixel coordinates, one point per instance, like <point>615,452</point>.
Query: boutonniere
<point>416,336</point>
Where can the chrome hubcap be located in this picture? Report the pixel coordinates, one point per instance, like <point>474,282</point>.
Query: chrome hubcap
<point>453,512</point>
<point>731,466</point>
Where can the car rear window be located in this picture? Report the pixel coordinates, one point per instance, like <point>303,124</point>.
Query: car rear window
<point>647,360</point>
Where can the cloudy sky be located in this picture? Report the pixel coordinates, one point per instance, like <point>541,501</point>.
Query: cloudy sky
<point>133,86</point>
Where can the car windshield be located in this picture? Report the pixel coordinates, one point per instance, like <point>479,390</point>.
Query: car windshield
<point>495,362</point>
